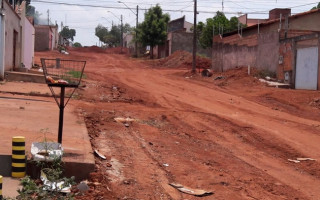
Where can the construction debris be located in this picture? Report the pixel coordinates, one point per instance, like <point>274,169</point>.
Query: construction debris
<point>123,120</point>
<point>83,186</point>
<point>54,186</point>
<point>100,155</point>
<point>206,73</point>
<point>301,159</point>
<point>187,190</point>
<point>295,161</point>
<point>218,78</point>
<point>306,159</point>
<point>274,84</point>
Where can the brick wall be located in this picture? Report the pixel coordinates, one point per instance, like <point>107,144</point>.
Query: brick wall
<point>42,34</point>
<point>259,50</point>
<point>184,41</point>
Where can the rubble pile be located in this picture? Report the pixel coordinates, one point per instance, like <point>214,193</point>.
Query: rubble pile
<point>183,59</point>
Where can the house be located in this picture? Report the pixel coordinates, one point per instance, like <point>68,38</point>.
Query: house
<point>179,37</point>
<point>46,37</point>
<point>10,52</point>
<point>273,14</point>
<point>128,42</point>
<point>286,46</point>
<point>27,38</point>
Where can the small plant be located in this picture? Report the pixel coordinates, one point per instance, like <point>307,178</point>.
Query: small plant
<point>52,181</point>
<point>51,185</point>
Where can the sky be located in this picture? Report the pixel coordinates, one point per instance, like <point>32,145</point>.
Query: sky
<point>85,15</point>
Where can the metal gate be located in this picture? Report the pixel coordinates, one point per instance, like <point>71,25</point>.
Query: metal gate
<point>307,69</point>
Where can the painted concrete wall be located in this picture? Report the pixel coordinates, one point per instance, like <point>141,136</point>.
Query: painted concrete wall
<point>28,40</point>
<point>2,39</point>
<point>27,35</point>
<point>12,23</point>
<point>55,37</point>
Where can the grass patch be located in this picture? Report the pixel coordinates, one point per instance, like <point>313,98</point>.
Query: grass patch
<point>76,74</point>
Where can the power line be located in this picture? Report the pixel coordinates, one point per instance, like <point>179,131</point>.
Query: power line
<point>127,8</point>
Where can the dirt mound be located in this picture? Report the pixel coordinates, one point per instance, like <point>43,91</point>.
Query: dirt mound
<point>183,59</point>
<point>96,49</point>
<point>92,49</point>
<point>237,77</point>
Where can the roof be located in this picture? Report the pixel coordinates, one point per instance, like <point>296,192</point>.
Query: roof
<point>273,21</point>
<point>183,17</point>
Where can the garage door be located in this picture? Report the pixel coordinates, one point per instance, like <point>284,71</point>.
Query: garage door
<point>307,68</point>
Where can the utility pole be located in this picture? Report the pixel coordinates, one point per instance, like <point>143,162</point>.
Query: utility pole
<point>194,52</point>
<point>137,15</point>
<point>121,39</point>
<point>222,6</point>
<point>136,42</point>
<point>48,17</point>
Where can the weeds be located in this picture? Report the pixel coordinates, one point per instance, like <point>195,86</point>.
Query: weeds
<point>52,181</point>
<point>264,73</point>
<point>76,74</point>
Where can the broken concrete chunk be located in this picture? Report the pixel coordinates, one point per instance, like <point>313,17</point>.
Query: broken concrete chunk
<point>306,159</point>
<point>295,161</point>
<point>187,190</point>
<point>123,120</point>
<point>83,186</point>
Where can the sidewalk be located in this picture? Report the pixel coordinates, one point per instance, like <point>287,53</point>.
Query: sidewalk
<point>37,118</point>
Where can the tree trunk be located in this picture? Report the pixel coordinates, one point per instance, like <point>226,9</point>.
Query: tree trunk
<point>151,52</point>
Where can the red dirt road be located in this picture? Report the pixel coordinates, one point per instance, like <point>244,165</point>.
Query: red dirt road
<point>233,137</point>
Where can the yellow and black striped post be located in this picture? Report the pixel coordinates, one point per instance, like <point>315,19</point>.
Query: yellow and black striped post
<point>18,157</point>
<point>0,187</point>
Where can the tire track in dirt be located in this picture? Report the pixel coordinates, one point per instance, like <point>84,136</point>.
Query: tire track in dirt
<point>209,138</point>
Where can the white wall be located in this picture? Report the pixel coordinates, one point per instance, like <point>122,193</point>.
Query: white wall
<point>12,22</point>
<point>1,46</point>
<point>27,38</point>
<point>28,47</point>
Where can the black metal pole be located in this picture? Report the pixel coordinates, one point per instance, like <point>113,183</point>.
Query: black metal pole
<point>194,50</point>
<point>61,107</point>
<point>136,42</point>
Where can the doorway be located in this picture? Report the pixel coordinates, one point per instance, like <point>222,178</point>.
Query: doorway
<point>15,38</point>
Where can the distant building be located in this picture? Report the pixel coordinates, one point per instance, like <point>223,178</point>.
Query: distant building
<point>179,37</point>
<point>287,46</point>
<point>273,14</point>
<point>128,42</point>
<point>46,37</point>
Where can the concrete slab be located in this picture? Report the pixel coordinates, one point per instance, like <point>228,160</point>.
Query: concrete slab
<point>36,118</point>
<point>25,88</point>
<point>24,76</point>
<point>10,187</point>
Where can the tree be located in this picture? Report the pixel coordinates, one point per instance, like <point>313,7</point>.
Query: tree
<point>153,30</point>
<point>113,37</point>
<point>77,44</point>
<point>19,2</point>
<point>221,25</point>
<point>101,32</point>
<point>31,11</point>
<point>316,7</point>
<point>68,33</point>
